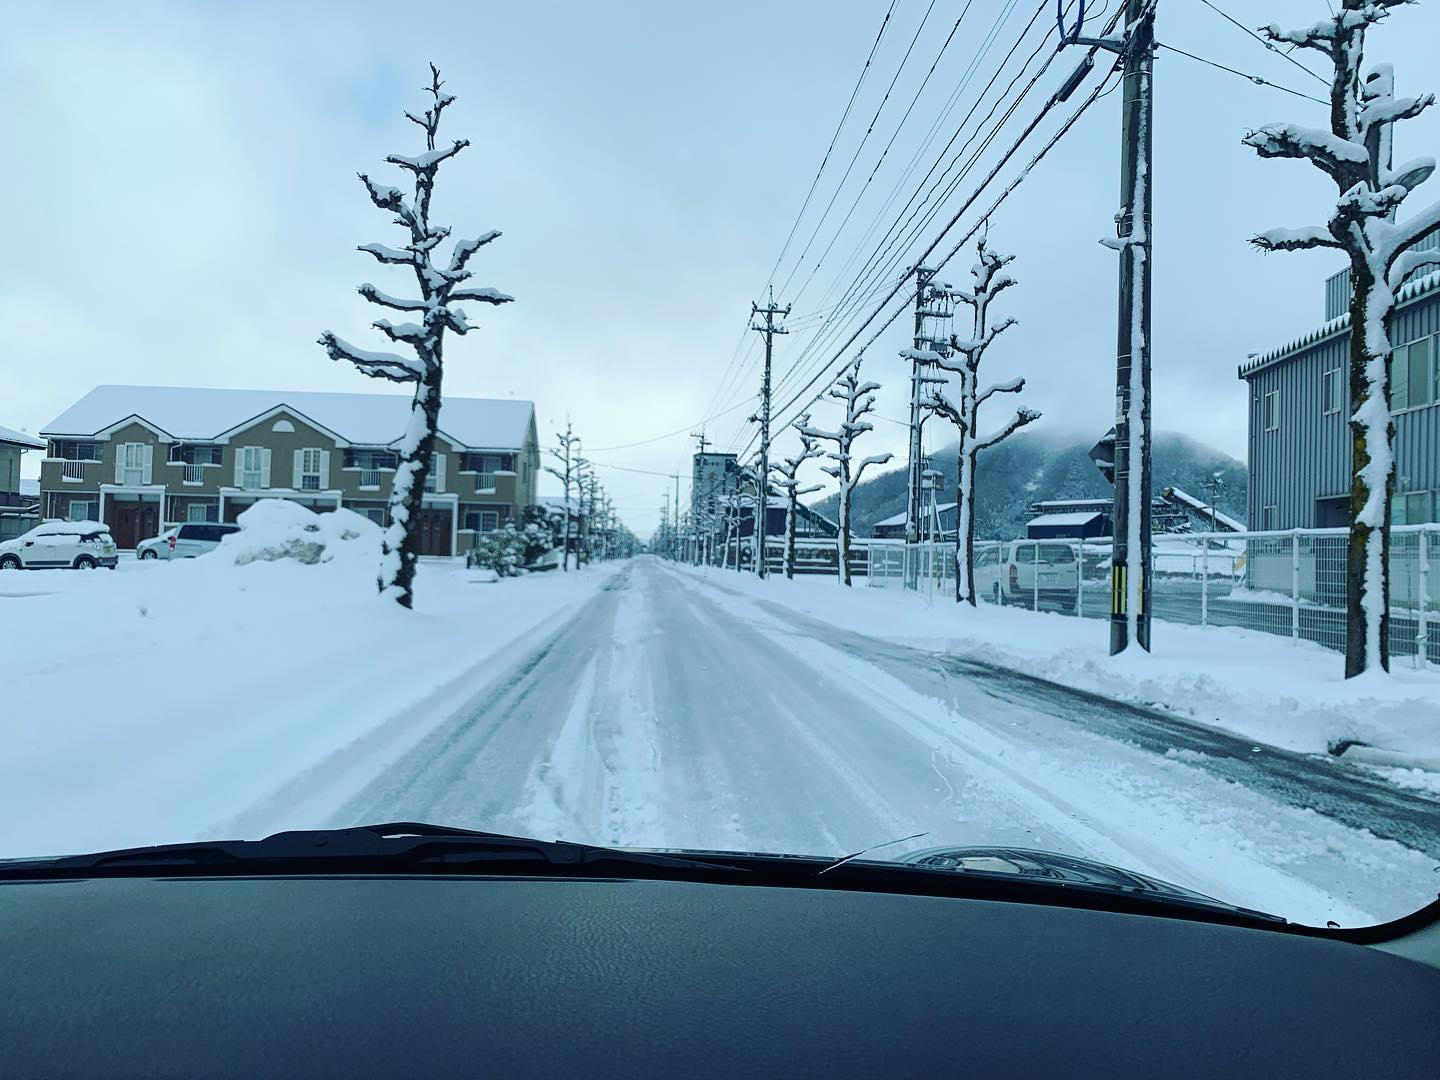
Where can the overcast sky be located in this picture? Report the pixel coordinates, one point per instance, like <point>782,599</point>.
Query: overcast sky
<point>182,207</point>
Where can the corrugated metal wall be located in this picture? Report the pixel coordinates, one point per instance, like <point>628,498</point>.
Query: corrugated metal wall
<point>1308,457</point>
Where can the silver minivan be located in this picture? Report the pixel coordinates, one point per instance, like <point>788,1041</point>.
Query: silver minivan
<point>184,541</point>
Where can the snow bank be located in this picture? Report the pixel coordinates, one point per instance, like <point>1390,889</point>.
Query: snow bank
<point>167,701</point>
<point>1263,687</point>
<point>279,529</point>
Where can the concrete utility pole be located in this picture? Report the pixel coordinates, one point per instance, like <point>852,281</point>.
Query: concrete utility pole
<point>1130,561</point>
<point>664,524</point>
<point>762,483</point>
<point>923,275</point>
<point>676,541</point>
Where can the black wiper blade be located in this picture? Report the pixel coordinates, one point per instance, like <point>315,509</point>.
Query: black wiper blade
<point>394,846</point>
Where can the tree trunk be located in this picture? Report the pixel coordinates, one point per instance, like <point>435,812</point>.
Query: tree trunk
<point>407,491</point>
<point>1367,568</point>
<point>965,530</point>
<point>842,541</point>
<point>790,537</point>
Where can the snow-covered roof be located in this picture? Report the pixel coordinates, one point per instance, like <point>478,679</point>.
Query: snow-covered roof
<point>1058,505</point>
<point>194,413</point>
<point>1412,290</point>
<point>558,502</point>
<point>19,438</point>
<point>1078,517</point>
<point>899,519</point>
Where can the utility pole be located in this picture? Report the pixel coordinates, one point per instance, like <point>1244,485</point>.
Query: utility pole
<point>762,482</point>
<point>677,517</point>
<point>918,380</point>
<point>1130,562</point>
<point>665,523</point>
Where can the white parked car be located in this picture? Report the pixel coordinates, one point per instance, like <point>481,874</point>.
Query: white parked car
<point>1037,570</point>
<point>184,541</point>
<point>82,545</point>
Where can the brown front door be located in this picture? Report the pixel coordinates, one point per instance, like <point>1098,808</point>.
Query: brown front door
<point>131,522</point>
<point>434,532</point>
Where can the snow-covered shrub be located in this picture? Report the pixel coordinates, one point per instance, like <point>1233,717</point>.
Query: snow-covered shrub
<point>508,550</point>
<point>276,529</point>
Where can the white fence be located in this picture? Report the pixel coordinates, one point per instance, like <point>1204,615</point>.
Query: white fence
<point>1290,583</point>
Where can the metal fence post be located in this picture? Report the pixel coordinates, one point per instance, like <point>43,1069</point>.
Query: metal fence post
<point>1422,636</point>
<point>1205,582</point>
<point>1079,579</point>
<point>1295,585</point>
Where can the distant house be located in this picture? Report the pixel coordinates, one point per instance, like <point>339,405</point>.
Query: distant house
<point>1300,440</point>
<point>19,507</point>
<point>893,527</point>
<point>141,458</point>
<point>809,524</point>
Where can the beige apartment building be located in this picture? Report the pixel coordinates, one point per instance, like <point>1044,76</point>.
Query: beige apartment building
<point>141,458</point>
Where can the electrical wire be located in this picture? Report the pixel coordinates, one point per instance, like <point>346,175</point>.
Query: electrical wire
<point>671,434</point>
<point>1256,79</point>
<point>1270,45</point>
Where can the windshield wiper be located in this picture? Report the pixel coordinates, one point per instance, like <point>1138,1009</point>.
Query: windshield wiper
<point>399,846</point>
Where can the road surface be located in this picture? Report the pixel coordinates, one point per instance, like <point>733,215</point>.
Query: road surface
<point>670,711</point>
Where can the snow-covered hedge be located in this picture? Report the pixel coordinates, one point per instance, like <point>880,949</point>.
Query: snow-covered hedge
<point>276,529</point>
<point>508,550</point>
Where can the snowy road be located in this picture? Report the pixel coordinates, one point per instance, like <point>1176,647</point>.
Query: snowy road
<point>670,711</point>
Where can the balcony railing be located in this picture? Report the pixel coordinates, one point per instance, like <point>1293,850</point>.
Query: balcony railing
<point>485,481</point>
<point>73,470</point>
<point>369,478</point>
<point>194,474</point>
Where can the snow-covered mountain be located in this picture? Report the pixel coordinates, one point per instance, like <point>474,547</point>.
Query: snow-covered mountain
<point>1037,465</point>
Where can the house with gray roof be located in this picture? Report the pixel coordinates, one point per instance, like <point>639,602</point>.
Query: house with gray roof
<point>142,458</point>
<point>18,504</point>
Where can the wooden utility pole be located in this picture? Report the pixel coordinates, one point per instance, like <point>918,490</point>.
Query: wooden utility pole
<point>762,493</point>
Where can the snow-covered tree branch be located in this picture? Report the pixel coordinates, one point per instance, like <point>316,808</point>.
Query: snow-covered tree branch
<point>787,473</point>
<point>565,453</point>
<point>425,337</point>
<point>1356,153</point>
<point>962,360</point>
<point>858,399</point>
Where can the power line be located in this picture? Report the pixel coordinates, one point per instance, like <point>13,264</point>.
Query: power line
<point>833,138</point>
<point>1256,79</point>
<point>1004,194</point>
<point>671,434</point>
<point>1270,45</point>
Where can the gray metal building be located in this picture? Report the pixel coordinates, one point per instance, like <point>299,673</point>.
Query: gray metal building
<point>1299,415</point>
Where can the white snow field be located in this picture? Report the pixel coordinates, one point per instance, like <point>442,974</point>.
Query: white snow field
<point>648,705</point>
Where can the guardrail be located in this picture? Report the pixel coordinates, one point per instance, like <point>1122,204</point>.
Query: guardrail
<point>1290,583</point>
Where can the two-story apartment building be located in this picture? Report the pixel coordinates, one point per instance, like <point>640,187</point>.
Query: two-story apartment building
<point>1300,442</point>
<point>17,506</point>
<point>141,458</point>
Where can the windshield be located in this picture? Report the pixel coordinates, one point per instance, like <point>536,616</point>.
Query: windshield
<point>682,437</point>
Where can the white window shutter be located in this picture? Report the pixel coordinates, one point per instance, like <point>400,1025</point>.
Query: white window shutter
<point>149,461</point>
<point>120,462</point>
<point>265,467</point>
<point>297,469</point>
<point>324,469</point>
<point>239,452</point>
<point>439,468</point>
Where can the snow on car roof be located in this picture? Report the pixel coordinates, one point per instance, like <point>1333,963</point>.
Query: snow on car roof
<point>195,413</point>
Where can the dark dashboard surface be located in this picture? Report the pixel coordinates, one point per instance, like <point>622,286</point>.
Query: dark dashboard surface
<point>359,976</point>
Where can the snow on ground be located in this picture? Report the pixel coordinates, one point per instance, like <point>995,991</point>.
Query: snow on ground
<point>1268,688</point>
<point>157,702</point>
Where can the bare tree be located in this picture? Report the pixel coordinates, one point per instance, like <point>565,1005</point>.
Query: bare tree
<point>859,401</point>
<point>438,286</point>
<point>1356,154</point>
<point>567,442</point>
<point>787,470</point>
<point>962,359</point>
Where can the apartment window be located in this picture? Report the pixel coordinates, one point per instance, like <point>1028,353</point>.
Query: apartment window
<point>1272,410</point>
<point>133,468</point>
<point>252,466</point>
<point>1413,508</point>
<point>376,515</point>
<point>195,453</point>
<point>482,520</point>
<point>1267,518</point>
<point>1414,378</point>
<point>309,470</point>
<point>70,450</point>
<point>1332,391</point>
<point>81,510</point>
